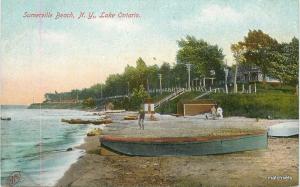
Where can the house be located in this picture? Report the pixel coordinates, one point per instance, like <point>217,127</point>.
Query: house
<point>249,74</point>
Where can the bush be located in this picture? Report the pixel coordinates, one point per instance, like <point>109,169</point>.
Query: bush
<point>90,103</point>
<point>138,96</point>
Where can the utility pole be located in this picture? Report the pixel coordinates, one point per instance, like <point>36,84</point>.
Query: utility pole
<point>235,77</point>
<point>226,75</point>
<point>128,88</point>
<point>148,85</point>
<point>76,96</point>
<point>188,66</point>
<point>160,88</point>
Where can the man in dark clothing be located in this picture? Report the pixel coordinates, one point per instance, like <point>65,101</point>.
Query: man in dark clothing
<point>141,119</point>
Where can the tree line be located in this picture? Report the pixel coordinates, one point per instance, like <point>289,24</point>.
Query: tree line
<point>279,60</point>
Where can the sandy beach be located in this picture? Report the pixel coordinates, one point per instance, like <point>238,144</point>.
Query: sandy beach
<point>275,166</point>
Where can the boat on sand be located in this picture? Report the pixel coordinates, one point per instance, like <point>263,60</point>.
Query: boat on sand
<point>184,146</point>
<point>131,117</point>
<point>5,118</point>
<point>81,121</point>
<point>284,129</point>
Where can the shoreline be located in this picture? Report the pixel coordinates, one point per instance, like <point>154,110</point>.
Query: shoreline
<point>241,168</point>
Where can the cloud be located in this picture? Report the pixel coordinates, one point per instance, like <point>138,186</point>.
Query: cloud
<point>211,16</point>
<point>217,13</point>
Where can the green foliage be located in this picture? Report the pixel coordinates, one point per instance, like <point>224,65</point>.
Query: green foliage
<point>275,105</point>
<point>277,60</point>
<point>90,103</point>
<point>138,96</point>
<point>285,62</point>
<point>203,56</point>
<point>255,46</point>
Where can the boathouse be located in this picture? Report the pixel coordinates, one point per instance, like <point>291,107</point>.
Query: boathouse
<point>194,107</point>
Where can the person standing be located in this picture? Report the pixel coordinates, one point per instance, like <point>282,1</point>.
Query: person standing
<point>141,119</point>
<point>220,112</point>
<point>213,112</point>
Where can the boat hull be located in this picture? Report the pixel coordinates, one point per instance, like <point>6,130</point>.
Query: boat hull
<point>189,148</point>
<point>284,129</point>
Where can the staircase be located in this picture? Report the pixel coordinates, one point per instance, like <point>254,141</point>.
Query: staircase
<point>215,90</point>
<point>170,97</point>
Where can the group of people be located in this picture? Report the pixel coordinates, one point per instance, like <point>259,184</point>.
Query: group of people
<point>216,112</point>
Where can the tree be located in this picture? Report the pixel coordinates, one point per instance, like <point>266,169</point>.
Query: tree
<point>90,102</point>
<point>203,56</point>
<point>165,70</point>
<point>285,62</point>
<point>138,96</point>
<point>142,72</point>
<point>153,76</point>
<point>238,54</point>
<point>179,74</point>
<point>256,45</point>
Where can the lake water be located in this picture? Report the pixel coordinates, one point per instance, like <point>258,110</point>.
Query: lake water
<point>35,141</point>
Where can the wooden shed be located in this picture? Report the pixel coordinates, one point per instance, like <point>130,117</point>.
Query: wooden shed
<point>149,106</point>
<point>194,107</point>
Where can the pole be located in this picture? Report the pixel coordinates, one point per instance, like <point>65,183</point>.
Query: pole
<point>147,85</point>
<point>101,90</point>
<point>235,76</point>
<point>160,87</point>
<point>188,66</point>
<point>128,88</point>
<point>226,74</point>
<point>77,96</point>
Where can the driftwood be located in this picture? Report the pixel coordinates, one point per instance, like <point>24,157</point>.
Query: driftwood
<point>80,121</point>
<point>7,119</point>
<point>130,118</point>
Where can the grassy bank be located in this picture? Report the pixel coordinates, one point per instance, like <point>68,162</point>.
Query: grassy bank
<point>261,105</point>
<point>271,101</point>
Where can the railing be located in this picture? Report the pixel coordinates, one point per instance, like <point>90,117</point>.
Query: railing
<point>170,97</point>
<point>215,90</point>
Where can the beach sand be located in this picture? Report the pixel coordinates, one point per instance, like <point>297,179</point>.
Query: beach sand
<point>249,168</point>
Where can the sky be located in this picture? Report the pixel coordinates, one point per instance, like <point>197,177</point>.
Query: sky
<point>40,55</point>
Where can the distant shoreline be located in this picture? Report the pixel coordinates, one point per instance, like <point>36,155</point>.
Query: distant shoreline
<point>77,106</point>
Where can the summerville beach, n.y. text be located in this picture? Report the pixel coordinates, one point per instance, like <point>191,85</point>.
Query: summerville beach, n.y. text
<point>81,15</point>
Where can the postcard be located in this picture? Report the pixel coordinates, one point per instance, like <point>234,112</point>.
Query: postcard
<point>149,93</point>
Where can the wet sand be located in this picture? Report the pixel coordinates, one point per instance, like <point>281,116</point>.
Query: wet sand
<point>275,166</point>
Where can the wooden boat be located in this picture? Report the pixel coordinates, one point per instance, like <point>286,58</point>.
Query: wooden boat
<point>94,132</point>
<point>130,118</point>
<point>80,121</point>
<point>6,119</point>
<point>284,129</point>
<point>183,146</point>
